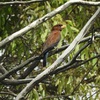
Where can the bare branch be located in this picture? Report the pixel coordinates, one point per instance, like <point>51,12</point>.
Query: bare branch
<point>20,81</point>
<point>56,71</point>
<point>76,64</point>
<point>46,72</point>
<point>2,70</point>
<point>35,63</point>
<point>20,2</point>
<point>89,37</point>
<point>16,68</point>
<point>45,18</point>
<point>16,82</point>
<point>71,63</point>
<point>36,60</point>
<point>8,93</point>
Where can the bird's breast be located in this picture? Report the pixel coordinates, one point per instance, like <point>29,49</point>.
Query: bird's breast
<point>52,40</point>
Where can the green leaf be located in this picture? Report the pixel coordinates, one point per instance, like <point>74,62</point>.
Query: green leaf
<point>69,22</point>
<point>70,79</point>
<point>43,93</point>
<point>43,35</point>
<point>74,29</point>
<point>40,87</point>
<point>57,82</point>
<point>36,95</point>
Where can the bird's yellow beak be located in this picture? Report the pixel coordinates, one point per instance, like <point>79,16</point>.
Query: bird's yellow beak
<point>63,26</point>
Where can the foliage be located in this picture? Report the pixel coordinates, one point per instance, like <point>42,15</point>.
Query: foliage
<point>79,83</point>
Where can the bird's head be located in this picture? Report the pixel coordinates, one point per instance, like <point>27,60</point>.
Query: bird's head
<point>58,27</point>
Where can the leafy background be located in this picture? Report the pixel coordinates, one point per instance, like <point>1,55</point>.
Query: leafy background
<point>79,83</point>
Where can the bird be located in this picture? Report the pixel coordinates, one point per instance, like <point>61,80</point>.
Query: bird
<point>52,40</point>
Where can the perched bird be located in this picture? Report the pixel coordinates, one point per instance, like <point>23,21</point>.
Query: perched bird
<point>52,40</point>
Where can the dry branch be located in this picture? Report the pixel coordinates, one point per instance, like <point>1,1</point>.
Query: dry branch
<point>44,18</point>
<point>20,2</point>
<point>78,38</point>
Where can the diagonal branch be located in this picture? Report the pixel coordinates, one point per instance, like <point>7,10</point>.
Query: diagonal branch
<point>73,62</point>
<point>45,18</point>
<point>35,61</point>
<point>46,72</point>
<point>75,65</point>
<point>58,70</point>
<point>7,74</point>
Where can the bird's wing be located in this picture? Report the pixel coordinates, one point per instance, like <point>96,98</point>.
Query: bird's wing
<point>52,40</point>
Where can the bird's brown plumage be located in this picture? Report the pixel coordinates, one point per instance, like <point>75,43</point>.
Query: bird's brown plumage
<point>52,40</point>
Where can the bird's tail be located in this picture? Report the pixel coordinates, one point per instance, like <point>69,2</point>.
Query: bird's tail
<point>45,59</point>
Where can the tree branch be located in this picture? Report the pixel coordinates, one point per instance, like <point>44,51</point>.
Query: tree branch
<point>77,64</point>
<point>72,62</point>
<point>16,82</point>
<point>35,63</point>
<point>46,72</point>
<point>58,70</point>
<point>20,2</point>
<point>17,68</point>
<point>45,18</point>
<point>8,93</point>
